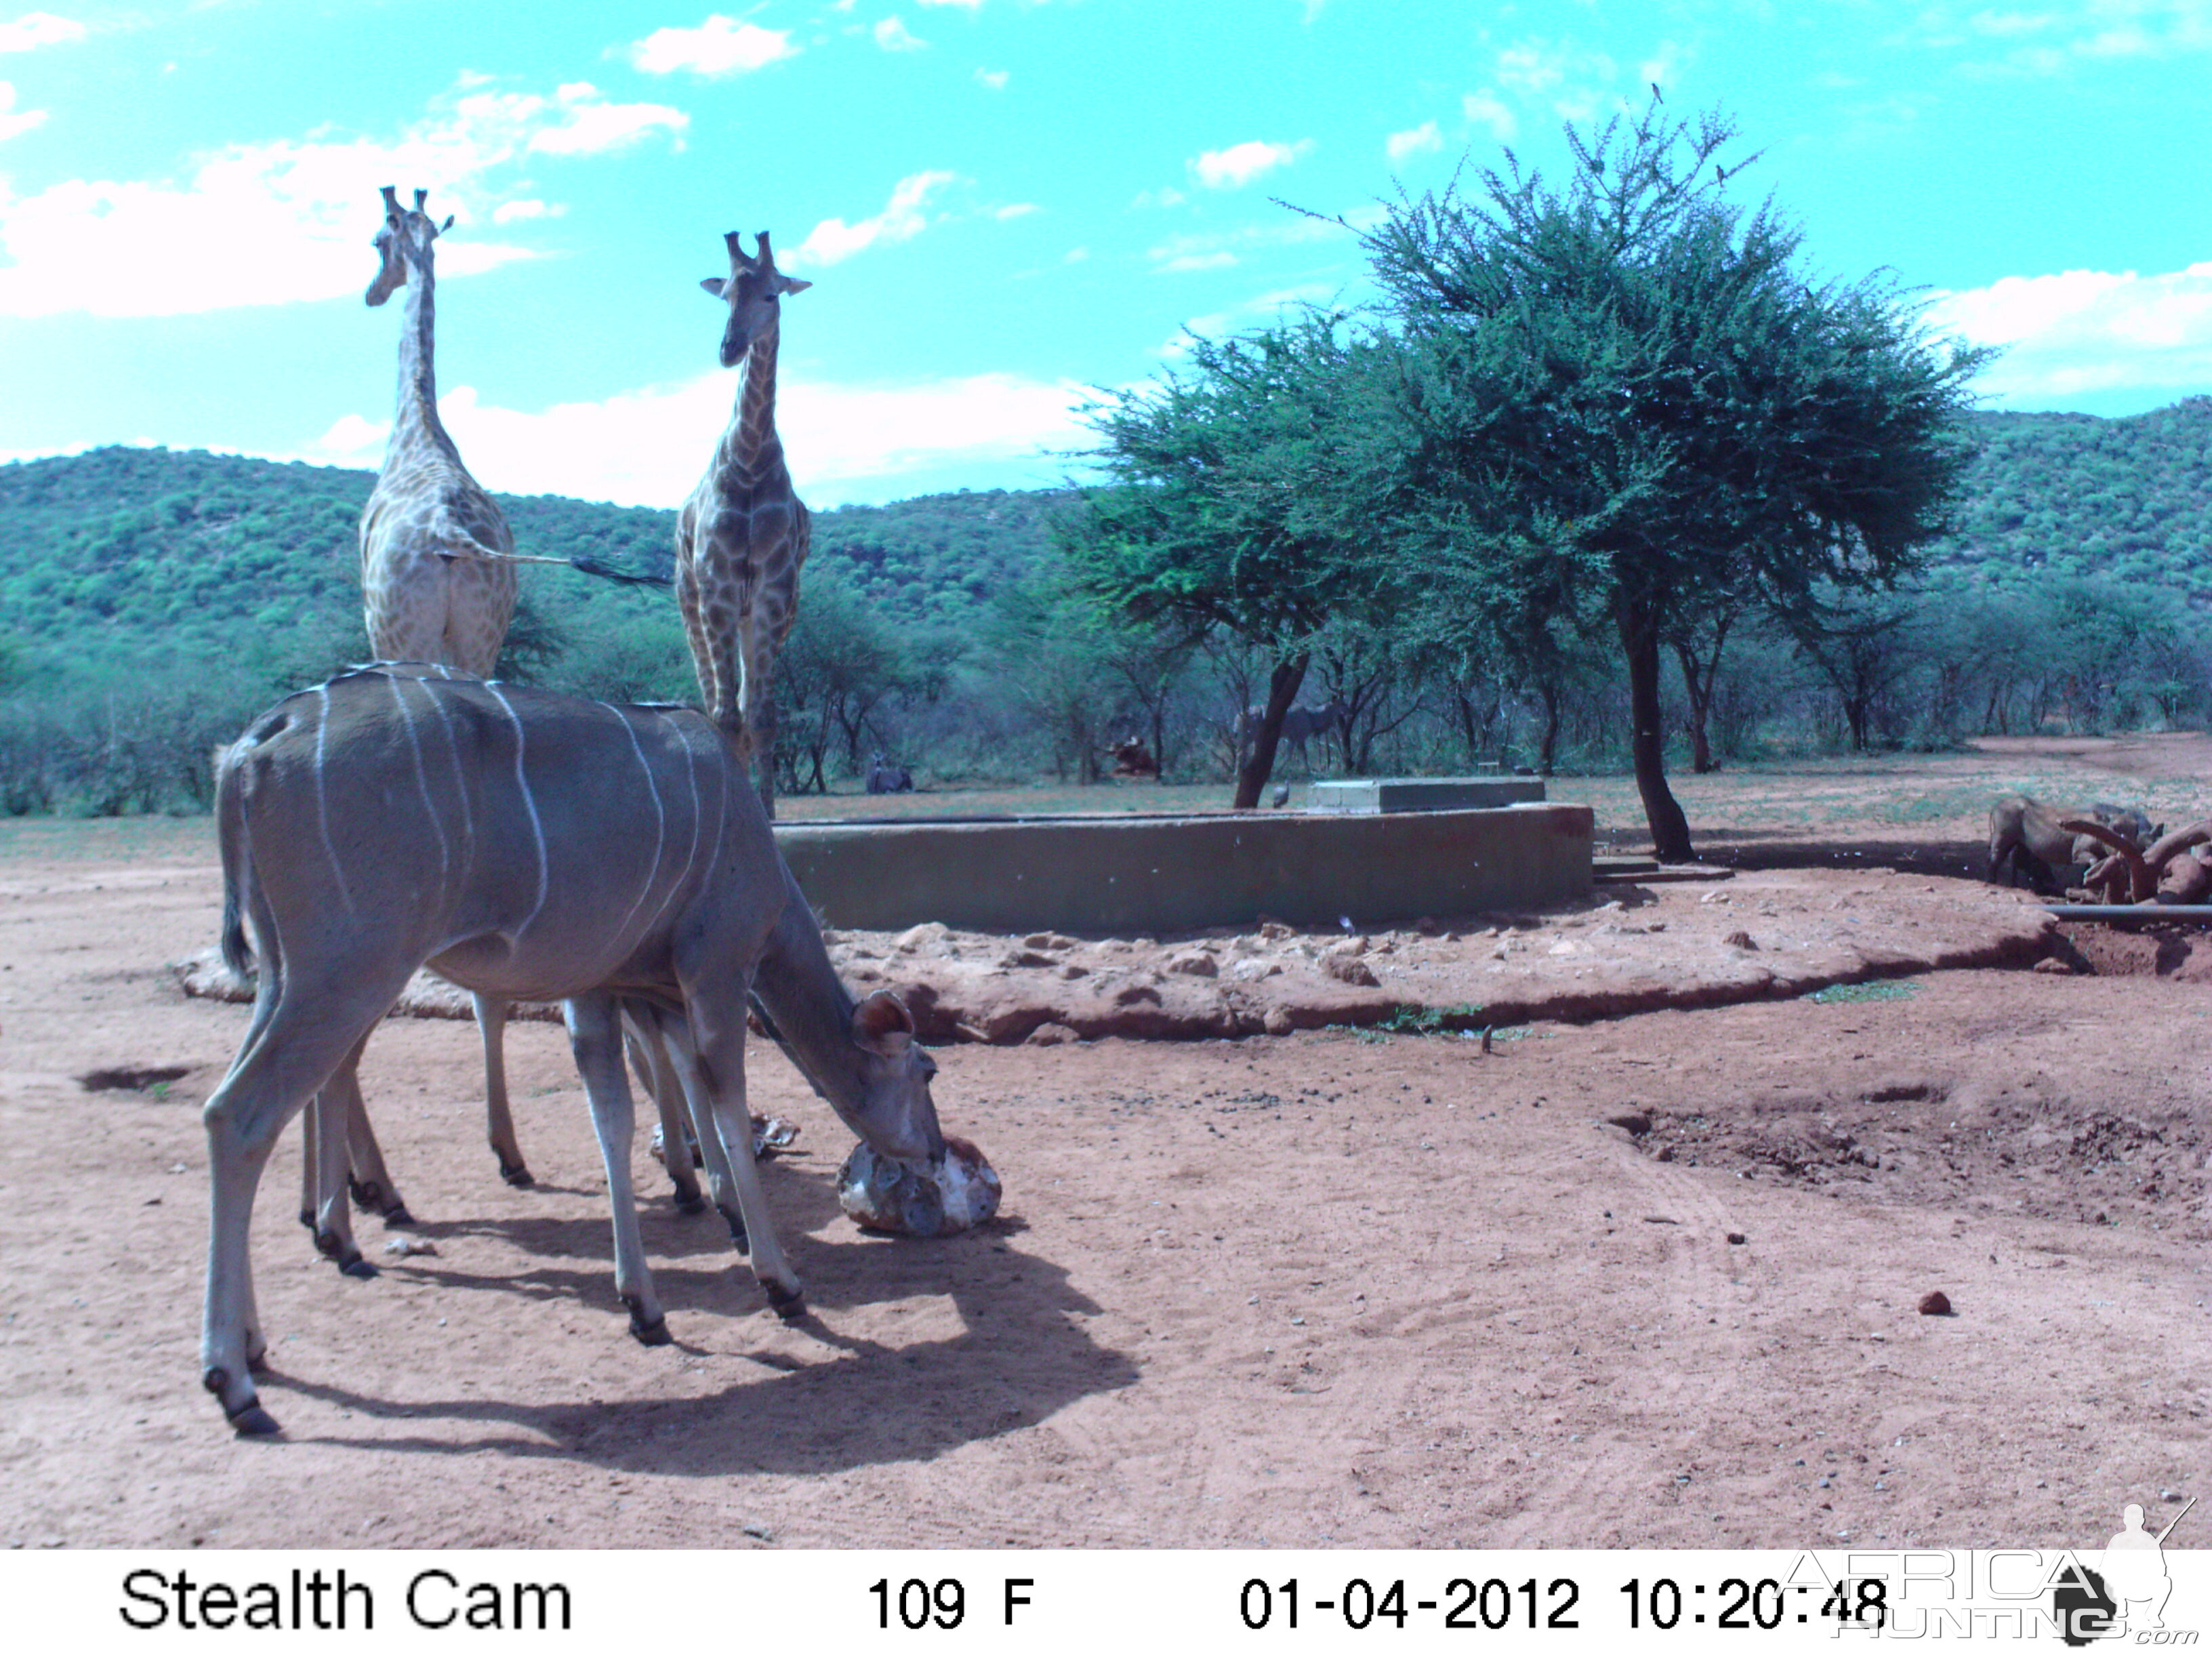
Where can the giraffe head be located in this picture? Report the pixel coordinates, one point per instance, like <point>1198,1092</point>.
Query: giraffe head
<point>404,239</point>
<point>752,291</point>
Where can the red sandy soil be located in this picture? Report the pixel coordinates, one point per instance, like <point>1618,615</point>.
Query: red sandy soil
<point>1645,1280</point>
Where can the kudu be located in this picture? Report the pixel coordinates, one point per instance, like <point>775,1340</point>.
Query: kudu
<point>526,845</point>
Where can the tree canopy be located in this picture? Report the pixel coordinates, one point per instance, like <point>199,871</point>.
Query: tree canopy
<point>1626,401</point>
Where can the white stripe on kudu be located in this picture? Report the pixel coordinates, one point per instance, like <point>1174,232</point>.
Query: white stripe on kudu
<point>323,798</point>
<point>530,801</point>
<point>423,782</point>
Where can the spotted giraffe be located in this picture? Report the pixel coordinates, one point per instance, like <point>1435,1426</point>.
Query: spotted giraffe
<point>742,538</point>
<point>438,570</point>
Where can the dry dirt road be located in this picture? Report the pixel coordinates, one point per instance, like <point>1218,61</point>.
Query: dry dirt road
<point>1323,1289</point>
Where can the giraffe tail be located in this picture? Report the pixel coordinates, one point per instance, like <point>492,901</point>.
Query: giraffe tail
<point>591,566</point>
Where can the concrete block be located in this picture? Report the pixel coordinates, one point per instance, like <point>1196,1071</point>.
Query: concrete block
<point>1151,875</point>
<point>1420,794</point>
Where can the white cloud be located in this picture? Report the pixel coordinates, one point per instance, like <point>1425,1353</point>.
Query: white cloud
<point>648,447</point>
<point>892,36</point>
<point>1214,250</point>
<point>34,29</point>
<point>300,210</point>
<point>2076,331</point>
<point>528,207</point>
<point>2050,40</point>
<point>11,123</point>
<point>1422,140</point>
<point>720,45</point>
<point>965,5</point>
<point>994,79</point>
<point>1486,110</point>
<point>1166,196</point>
<point>1240,164</point>
<point>592,126</point>
<point>1562,74</point>
<point>1015,210</point>
<point>1075,256</point>
<point>1210,259</point>
<point>904,217</point>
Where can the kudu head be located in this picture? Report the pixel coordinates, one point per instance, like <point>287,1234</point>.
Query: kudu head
<point>752,291</point>
<point>895,1114</point>
<point>404,239</point>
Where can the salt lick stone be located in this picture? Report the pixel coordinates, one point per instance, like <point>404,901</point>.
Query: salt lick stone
<point>922,1201</point>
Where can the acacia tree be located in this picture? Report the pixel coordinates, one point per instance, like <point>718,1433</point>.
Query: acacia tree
<point>1236,500</point>
<point>1627,381</point>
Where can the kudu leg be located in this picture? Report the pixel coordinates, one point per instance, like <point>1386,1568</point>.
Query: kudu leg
<point>642,1040</point>
<point>596,1040</point>
<point>373,1185</point>
<point>718,1051</point>
<point>281,1068</point>
<point>499,1120</point>
<point>331,1156</point>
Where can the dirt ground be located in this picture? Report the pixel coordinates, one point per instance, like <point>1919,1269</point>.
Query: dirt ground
<point>1646,1280</point>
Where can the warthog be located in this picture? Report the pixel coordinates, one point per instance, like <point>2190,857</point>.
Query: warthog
<point>2029,847</point>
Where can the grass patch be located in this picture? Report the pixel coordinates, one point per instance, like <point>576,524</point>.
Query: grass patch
<point>1420,1022</point>
<point>1874,990</point>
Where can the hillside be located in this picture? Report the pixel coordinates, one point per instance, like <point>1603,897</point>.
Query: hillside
<point>2073,495</point>
<point>118,553</point>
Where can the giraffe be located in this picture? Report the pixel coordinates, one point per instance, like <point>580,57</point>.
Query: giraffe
<point>741,538</point>
<point>437,585</point>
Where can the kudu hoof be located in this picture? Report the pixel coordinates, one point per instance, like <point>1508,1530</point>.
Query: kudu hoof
<point>248,1419</point>
<point>359,1267</point>
<point>396,1216</point>
<point>653,1334</point>
<point>368,1195</point>
<point>516,1175</point>
<point>790,1304</point>
<point>739,1236</point>
<point>690,1203</point>
<point>307,1218</point>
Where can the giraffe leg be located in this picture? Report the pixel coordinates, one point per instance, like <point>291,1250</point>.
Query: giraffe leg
<point>499,1119</point>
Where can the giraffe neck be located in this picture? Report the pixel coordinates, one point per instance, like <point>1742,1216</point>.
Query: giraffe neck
<point>754,428</point>
<point>415,422</point>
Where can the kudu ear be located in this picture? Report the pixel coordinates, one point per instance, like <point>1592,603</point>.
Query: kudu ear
<point>717,286</point>
<point>881,1025</point>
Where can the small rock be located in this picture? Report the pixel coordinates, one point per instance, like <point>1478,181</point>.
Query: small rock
<point>1737,1238</point>
<point>2054,965</point>
<point>920,936</point>
<point>403,1244</point>
<point>1428,925</point>
<point>1049,1035</point>
<point>1199,962</point>
<point>1935,1302</point>
<point>1342,965</point>
<point>1565,947</point>
<point>1129,995</point>
<point>1742,940</point>
<point>1714,897</point>
<point>1073,970</point>
<point>883,1196</point>
<point>1028,959</point>
<point>1049,942</point>
<point>1636,1123</point>
<point>1271,930</point>
<point>1278,1021</point>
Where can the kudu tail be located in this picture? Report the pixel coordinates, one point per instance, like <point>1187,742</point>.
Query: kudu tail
<point>237,860</point>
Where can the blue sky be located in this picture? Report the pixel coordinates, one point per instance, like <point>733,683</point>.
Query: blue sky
<point>1000,203</point>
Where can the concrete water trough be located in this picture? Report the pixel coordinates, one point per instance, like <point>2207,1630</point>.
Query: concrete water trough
<point>1132,874</point>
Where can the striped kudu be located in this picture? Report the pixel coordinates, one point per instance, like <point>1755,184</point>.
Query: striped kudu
<point>525,846</point>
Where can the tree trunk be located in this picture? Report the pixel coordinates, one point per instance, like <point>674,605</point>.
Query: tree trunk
<point>1282,691</point>
<point>1698,681</point>
<point>1639,639</point>
<point>1547,747</point>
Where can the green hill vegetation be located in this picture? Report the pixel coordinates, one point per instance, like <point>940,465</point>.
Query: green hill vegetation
<point>151,601</point>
